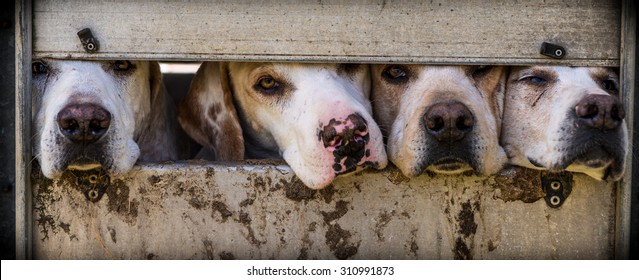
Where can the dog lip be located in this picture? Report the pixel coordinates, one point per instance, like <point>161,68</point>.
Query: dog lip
<point>595,157</point>
<point>449,164</point>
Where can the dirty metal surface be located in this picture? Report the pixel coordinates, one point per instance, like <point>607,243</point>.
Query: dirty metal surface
<point>238,211</point>
<point>446,32</point>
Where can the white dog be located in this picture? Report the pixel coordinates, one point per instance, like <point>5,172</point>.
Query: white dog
<point>106,114</point>
<point>445,119</point>
<point>316,116</point>
<point>565,118</point>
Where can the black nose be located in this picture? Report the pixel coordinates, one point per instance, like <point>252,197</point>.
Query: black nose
<point>448,121</point>
<point>83,123</point>
<point>348,137</point>
<point>598,111</point>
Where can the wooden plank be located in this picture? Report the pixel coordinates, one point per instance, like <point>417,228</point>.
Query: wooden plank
<point>628,85</point>
<point>23,130</point>
<point>459,32</point>
<point>203,211</point>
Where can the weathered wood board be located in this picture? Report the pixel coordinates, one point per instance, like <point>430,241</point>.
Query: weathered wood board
<point>447,32</point>
<point>204,211</point>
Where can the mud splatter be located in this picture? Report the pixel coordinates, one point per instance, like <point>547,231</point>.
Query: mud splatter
<point>297,191</point>
<point>119,202</point>
<point>341,207</point>
<point>523,185</point>
<point>221,208</point>
<point>337,240</point>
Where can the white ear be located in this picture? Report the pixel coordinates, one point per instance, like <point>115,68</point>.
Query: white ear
<point>208,115</point>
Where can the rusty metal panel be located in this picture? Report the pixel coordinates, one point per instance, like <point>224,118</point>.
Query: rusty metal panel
<point>203,211</point>
<point>451,32</point>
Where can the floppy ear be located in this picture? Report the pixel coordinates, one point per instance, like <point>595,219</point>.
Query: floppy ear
<point>157,141</point>
<point>208,115</point>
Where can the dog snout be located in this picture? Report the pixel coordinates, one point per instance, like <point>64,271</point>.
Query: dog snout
<point>603,112</point>
<point>83,123</point>
<point>449,121</point>
<point>346,137</point>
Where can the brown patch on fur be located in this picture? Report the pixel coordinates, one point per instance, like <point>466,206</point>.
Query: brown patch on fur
<point>228,141</point>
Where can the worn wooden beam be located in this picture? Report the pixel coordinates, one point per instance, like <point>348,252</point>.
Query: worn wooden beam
<point>442,32</point>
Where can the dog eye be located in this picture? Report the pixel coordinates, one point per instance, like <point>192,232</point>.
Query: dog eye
<point>609,85</point>
<point>267,84</point>
<point>395,74</point>
<point>122,65</point>
<point>38,67</point>
<point>481,70</point>
<point>535,80</point>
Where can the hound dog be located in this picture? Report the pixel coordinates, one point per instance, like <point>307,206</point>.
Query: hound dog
<point>107,114</point>
<point>565,118</point>
<point>442,119</point>
<point>317,117</point>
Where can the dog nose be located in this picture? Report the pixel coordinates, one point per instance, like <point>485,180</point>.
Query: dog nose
<point>83,123</point>
<point>600,111</point>
<point>449,121</point>
<point>347,137</point>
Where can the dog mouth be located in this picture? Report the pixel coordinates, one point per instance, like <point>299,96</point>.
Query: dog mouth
<point>449,164</point>
<point>596,157</point>
<point>84,163</point>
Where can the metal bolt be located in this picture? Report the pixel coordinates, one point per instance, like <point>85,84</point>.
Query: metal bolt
<point>555,185</point>
<point>555,200</point>
<point>559,52</point>
<point>90,46</point>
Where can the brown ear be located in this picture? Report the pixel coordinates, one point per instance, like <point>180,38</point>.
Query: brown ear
<point>157,140</point>
<point>208,115</point>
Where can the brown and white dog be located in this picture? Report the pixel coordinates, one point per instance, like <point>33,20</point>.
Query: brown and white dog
<point>315,116</point>
<point>107,114</point>
<point>445,119</point>
<point>565,118</point>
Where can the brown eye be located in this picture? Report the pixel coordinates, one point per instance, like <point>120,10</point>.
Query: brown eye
<point>395,74</point>
<point>38,67</point>
<point>267,84</point>
<point>122,65</point>
<point>481,70</point>
<point>609,85</point>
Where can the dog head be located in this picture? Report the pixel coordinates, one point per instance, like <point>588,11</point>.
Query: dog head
<point>565,118</point>
<point>315,116</point>
<point>91,114</point>
<point>444,119</point>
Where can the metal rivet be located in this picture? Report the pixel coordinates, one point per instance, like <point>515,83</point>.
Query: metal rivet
<point>93,194</point>
<point>93,179</point>
<point>91,46</point>
<point>555,185</point>
<point>555,200</point>
<point>559,52</point>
